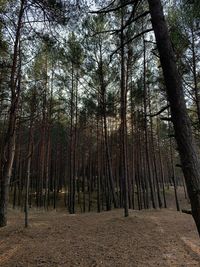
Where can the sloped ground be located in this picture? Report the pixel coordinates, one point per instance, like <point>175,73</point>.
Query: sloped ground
<point>146,238</point>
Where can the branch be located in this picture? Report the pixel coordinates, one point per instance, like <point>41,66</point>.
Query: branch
<point>133,20</point>
<point>154,53</point>
<point>104,11</point>
<point>116,31</point>
<point>159,112</point>
<point>151,42</point>
<point>166,119</point>
<point>106,31</point>
<point>104,8</point>
<point>130,40</point>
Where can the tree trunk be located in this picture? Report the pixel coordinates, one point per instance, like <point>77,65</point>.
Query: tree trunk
<point>194,72</point>
<point>30,151</point>
<point>105,128</point>
<point>124,174</point>
<point>183,132</point>
<point>150,178</point>
<point>9,147</point>
<point>71,152</point>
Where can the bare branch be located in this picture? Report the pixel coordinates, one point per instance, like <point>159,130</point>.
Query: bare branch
<point>133,20</point>
<point>159,112</point>
<point>166,119</point>
<point>105,10</point>
<point>130,40</point>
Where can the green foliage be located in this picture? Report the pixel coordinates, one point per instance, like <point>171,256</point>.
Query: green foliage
<point>89,106</point>
<point>111,104</point>
<point>192,9</point>
<point>3,43</point>
<point>54,10</point>
<point>178,35</point>
<point>3,5</point>
<point>75,51</point>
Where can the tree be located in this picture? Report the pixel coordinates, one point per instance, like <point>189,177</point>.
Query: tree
<point>182,126</point>
<point>9,145</point>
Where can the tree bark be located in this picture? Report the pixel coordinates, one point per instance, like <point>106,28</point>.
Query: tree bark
<point>123,111</point>
<point>9,145</point>
<point>183,132</point>
<point>105,128</point>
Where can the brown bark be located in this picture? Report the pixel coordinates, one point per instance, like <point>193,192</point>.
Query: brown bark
<point>150,178</point>
<point>124,173</point>
<point>194,72</point>
<point>30,152</point>
<point>9,145</point>
<point>71,152</point>
<point>104,118</point>
<point>183,132</point>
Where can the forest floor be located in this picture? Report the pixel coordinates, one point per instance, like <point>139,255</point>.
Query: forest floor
<point>145,238</point>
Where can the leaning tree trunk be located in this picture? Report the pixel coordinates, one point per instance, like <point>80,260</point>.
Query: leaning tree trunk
<point>183,131</point>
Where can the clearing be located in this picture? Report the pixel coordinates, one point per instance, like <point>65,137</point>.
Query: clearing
<point>146,238</point>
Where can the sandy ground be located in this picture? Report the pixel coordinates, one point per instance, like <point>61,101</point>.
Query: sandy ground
<point>145,238</point>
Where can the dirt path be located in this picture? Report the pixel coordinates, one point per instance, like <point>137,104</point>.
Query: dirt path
<point>146,238</point>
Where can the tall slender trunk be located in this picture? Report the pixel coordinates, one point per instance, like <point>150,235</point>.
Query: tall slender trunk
<point>194,73</point>
<point>154,154</point>
<point>174,176</point>
<point>132,154</point>
<point>124,173</point>
<point>107,148</point>
<point>98,167</point>
<point>30,151</point>
<point>161,164</point>
<point>71,152</point>
<point>75,156</point>
<point>9,145</point>
<point>146,129</point>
